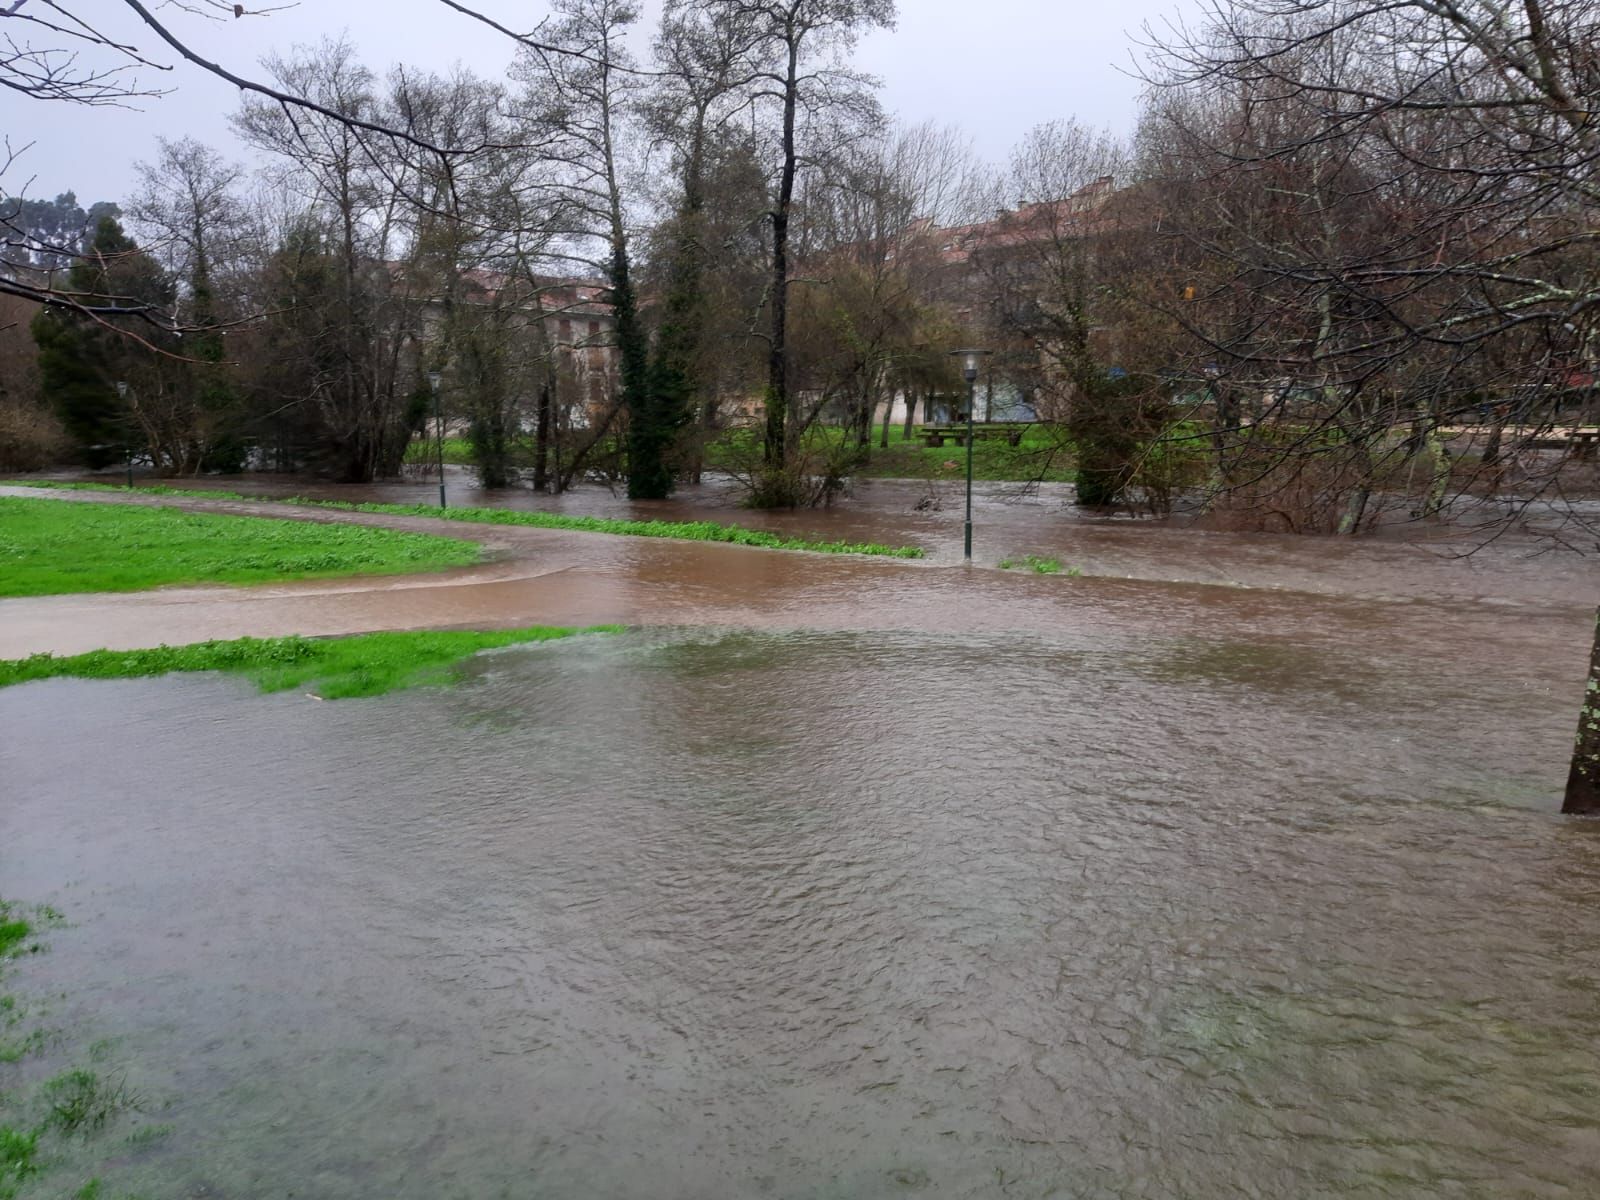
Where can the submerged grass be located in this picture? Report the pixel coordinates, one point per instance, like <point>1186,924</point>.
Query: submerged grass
<point>1039,565</point>
<point>49,548</point>
<point>19,1143</point>
<point>692,531</point>
<point>368,664</point>
<point>41,1118</point>
<point>83,1101</point>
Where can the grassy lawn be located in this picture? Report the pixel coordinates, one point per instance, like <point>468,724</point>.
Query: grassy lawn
<point>1043,455</point>
<point>48,548</point>
<point>368,664</point>
<point>689,531</point>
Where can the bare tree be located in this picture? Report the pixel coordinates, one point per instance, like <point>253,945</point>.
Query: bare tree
<point>581,108</point>
<point>798,79</point>
<point>348,180</point>
<point>704,69</point>
<point>1404,197</point>
<point>88,52</point>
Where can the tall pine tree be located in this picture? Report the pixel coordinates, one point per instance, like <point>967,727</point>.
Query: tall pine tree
<point>81,359</point>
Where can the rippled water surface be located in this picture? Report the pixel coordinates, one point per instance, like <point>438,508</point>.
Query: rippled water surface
<point>702,914</point>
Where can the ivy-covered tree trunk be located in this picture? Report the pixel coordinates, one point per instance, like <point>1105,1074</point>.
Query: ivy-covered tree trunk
<point>673,385</point>
<point>633,354</point>
<point>541,437</point>
<point>776,488</point>
<point>222,446</point>
<point>1583,782</point>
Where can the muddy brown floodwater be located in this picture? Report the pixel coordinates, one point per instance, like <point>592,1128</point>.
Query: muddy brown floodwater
<point>842,878</point>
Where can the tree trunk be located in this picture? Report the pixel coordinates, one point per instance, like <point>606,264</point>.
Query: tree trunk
<point>1355,509</point>
<point>775,444</point>
<point>864,421</point>
<point>1491,448</point>
<point>1439,481</point>
<point>674,375</point>
<point>888,419</point>
<point>541,441</point>
<point>911,412</point>
<point>1583,782</point>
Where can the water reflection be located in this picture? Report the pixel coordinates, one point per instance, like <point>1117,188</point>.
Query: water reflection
<point>1096,912</point>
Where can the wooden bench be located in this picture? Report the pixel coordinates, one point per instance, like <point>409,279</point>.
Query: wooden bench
<point>936,435</point>
<point>1581,441</point>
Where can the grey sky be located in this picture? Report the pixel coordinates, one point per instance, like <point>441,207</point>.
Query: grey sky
<point>994,67</point>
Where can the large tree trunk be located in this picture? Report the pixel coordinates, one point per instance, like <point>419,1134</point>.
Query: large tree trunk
<point>911,413</point>
<point>775,443</point>
<point>1583,782</point>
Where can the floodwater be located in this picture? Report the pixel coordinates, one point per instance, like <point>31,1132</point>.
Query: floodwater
<point>1502,590</point>
<point>842,878</point>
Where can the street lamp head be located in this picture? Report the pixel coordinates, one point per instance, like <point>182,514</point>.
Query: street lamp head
<point>434,378</point>
<point>969,362</point>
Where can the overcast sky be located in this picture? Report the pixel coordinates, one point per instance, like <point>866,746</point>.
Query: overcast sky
<point>994,67</point>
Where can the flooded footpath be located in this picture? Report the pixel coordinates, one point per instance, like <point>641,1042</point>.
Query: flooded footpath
<point>1229,868</point>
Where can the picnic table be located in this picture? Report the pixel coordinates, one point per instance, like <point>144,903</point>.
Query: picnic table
<point>938,432</point>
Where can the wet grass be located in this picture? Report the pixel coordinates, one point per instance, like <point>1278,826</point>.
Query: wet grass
<point>1039,565</point>
<point>14,931</point>
<point>345,668</point>
<point>39,1119</point>
<point>1044,454</point>
<point>20,1158</point>
<point>689,531</point>
<point>50,548</point>
<point>83,1101</point>
<point>17,937</point>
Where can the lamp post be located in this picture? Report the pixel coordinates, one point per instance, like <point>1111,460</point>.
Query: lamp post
<point>127,439</point>
<point>969,370</point>
<point>434,378</point>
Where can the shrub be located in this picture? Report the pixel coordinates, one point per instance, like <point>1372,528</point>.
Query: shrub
<point>31,438</point>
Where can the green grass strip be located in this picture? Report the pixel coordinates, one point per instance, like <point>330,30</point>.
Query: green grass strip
<point>691,531</point>
<point>49,548</point>
<point>368,664</point>
<point>13,930</point>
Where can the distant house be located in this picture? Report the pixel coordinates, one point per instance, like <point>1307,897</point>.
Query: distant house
<point>567,319</point>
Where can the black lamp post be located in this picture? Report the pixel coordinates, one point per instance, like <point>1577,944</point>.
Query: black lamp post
<point>127,426</point>
<point>434,379</point>
<point>969,369</point>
